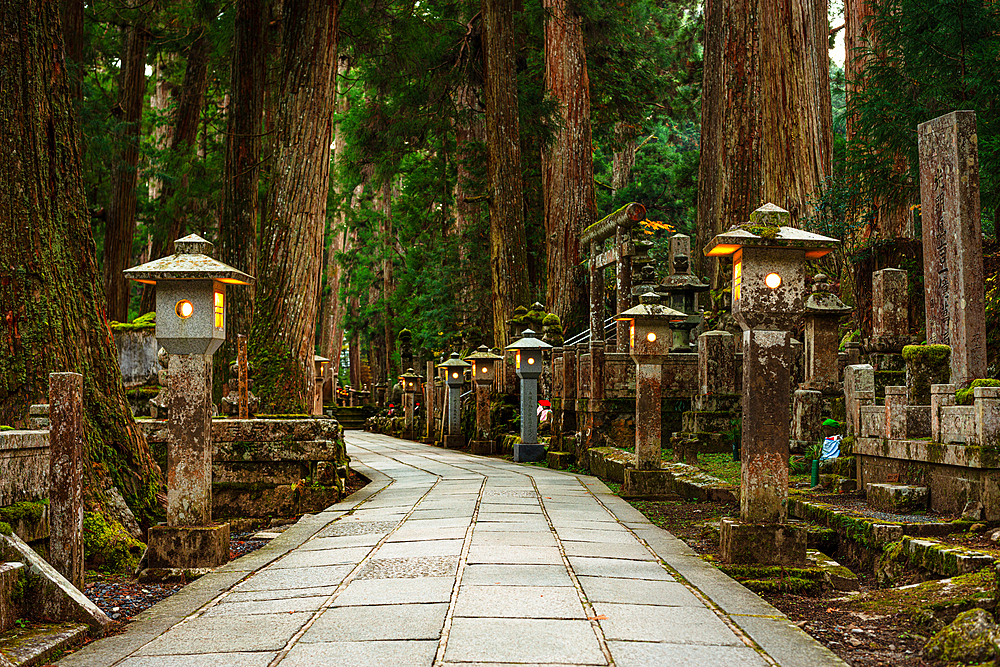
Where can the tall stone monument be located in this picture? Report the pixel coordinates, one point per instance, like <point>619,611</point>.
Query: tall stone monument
<point>954,299</point>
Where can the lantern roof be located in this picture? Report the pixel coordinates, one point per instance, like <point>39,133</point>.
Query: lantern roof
<point>317,358</point>
<point>528,342</point>
<point>411,375</point>
<point>454,361</point>
<point>483,353</point>
<point>649,306</point>
<point>192,260</point>
<point>769,227</point>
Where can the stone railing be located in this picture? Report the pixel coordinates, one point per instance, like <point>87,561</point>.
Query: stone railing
<point>24,460</point>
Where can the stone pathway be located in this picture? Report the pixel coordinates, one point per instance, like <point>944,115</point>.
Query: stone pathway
<point>451,559</point>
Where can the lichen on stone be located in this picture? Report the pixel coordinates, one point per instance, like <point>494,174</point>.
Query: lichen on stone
<point>972,638</point>
<point>108,545</point>
<point>967,395</point>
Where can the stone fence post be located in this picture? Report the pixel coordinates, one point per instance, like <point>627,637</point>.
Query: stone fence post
<point>987,402</point>
<point>859,390</point>
<point>66,475</point>
<point>942,396</point>
<point>895,413</point>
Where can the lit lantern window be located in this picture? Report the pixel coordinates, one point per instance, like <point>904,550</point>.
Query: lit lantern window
<point>737,279</point>
<point>531,360</point>
<point>651,337</point>
<point>184,309</point>
<point>772,280</point>
<point>631,334</point>
<point>220,310</point>
<point>454,375</point>
<point>517,359</point>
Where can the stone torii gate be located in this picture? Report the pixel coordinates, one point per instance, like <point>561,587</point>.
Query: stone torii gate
<point>618,225</point>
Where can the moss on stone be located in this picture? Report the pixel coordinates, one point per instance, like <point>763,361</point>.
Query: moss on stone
<point>551,320</point>
<point>5,528</point>
<point>969,639</point>
<point>967,395</point>
<point>23,511</point>
<point>147,321</point>
<point>933,355</point>
<point>108,546</point>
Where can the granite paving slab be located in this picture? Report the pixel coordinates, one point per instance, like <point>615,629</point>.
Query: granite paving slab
<point>555,571</point>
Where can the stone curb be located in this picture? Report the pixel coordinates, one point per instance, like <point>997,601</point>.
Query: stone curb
<point>944,559</point>
<point>771,630</point>
<point>162,616</point>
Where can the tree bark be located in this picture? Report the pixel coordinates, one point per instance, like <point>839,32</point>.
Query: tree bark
<point>238,224</point>
<point>71,14</point>
<point>795,113</point>
<point>174,205</point>
<point>120,226</point>
<point>729,174</point>
<point>52,302</point>
<point>623,160</point>
<point>282,342</point>
<point>567,165</point>
<point>508,255</point>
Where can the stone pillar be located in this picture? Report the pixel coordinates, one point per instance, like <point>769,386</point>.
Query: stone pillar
<point>890,310</point>
<point>318,396</point>
<point>764,449</point>
<point>623,276</point>
<point>925,365</point>
<point>807,416</point>
<point>408,401</point>
<point>529,414</point>
<point>987,402</point>
<point>680,244</point>
<point>569,418</point>
<point>716,365</point>
<point>454,410</point>
<point>895,413</point>
<point>853,351</point>
<point>954,299</point>
<point>189,441</point>
<point>596,295</point>
<point>648,378</point>
<point>243,371</point>
<point>66,446</point>
<point>429,401</point>
<point>483,443</point>
<point>595,413</point>
<point>942,396</point>
<point>859,390</point>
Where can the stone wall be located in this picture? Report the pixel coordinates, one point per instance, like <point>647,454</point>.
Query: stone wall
<point>270,467</point>
<point>24,462</point>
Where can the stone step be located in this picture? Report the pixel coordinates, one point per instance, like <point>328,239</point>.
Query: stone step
<point>37,644</point>
<point>897,498</point>
<point>10,577</point>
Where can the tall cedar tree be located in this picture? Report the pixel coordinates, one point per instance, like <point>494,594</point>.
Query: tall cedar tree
<point>51,293</point>
<point>238,223</point>
<point>282,340</point>
<point>508,255</point>
<point>567,165</point>
<point>122,208</point>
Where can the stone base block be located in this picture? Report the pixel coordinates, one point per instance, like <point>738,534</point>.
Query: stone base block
<point>172,575</point>
<point>762,543</point>
<point>483,446</point>
<point>454,441</point>
<point>648,484</point>
<point>897,498</point>
<point>10,576</point>
<point>188,547</point>
<point>429,441</point>
<point>560,460</point>
<point>528,453</point>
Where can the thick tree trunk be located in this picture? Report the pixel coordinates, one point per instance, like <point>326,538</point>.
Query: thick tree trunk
<point>729,175</point>
<point>282,344</point>
<point>71,14</point>
<point>238,224</point>
<point>508,255</point>
<point>795,112</point>
<point>889,220</point>
<point>567,166</point>
<point>174,205</point>
<point>122,209</point>
<point>52,315</point>
<point>623,159</point>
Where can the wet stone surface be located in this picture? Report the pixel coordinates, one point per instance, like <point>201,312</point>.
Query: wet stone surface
<point>340,529</point>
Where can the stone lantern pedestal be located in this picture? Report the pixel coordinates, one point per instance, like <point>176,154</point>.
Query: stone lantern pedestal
<point>769,294</point>
<point>454,372</point>
<point>191,325</point>
<point>484,364</point>
<point>528,366</point>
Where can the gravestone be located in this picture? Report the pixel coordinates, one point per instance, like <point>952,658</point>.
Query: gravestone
<point>954,299</point>
<point>66,447</point>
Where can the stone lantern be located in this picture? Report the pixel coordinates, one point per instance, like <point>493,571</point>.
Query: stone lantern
<point>411,383</point>
<point>191,325</point>
<point>454,372</point>
<point>649,343</point>
<point>680,292</point>
<point>319,367</point>
<point>528,366</point>
<point>769,294</point>
<point>484,374</point>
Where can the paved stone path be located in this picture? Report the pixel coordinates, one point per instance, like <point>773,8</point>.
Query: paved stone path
<point>451,559</point>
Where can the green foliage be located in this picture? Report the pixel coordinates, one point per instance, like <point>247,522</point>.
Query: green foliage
<point>927,58</point>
